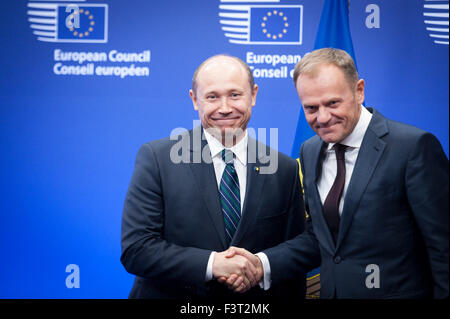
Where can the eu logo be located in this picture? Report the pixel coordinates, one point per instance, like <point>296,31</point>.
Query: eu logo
<point>84,23</point>
<point>56,22</point>
<point>261,24</point>
<point>275,25</point>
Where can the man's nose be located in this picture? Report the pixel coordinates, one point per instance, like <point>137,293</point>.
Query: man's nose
<point>225,106</point>
<point>323,115</point>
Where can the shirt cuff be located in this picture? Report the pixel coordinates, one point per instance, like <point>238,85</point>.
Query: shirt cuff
<point>209,273</point>
<point>266,282</point>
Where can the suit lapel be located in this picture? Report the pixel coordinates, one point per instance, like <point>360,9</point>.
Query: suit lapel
<point>204,174</point>
<point>315,205</point>
<point>255,182</point>
<point>371,150</point>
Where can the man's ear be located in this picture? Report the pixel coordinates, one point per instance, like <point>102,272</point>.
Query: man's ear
<point>360,91</point>
<point>194,99</point>
<point>254,93</point>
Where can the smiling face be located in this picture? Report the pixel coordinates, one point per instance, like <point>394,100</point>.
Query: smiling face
<point>224,98</point>
<point>331,103</point>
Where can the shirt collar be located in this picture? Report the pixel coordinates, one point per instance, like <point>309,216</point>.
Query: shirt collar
<point>356,136</point>
<point>239,149</point>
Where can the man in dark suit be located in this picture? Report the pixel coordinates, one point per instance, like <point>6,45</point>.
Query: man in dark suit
<point>192,196</point>
<point>376,192</point>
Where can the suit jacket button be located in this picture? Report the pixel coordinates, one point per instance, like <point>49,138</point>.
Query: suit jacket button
<point>337,259</point>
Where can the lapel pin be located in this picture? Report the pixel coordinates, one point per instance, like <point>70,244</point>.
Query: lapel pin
<point>257,169</point>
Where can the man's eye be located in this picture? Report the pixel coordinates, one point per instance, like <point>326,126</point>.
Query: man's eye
<point>333,103</point>
<point>309,108</point>
<point>235,95</point>
<point>210,97</point>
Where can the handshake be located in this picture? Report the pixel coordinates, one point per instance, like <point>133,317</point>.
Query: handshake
<point>239,269</point>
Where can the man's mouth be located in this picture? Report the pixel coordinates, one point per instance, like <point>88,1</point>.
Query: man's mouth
<point>225,120</point>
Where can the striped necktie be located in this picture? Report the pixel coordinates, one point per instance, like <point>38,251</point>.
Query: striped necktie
<point>230,195</point>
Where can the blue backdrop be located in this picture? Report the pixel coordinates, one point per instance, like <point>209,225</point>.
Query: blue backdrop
<point>77,102</point>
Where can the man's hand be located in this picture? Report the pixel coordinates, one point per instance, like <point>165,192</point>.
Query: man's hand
<point>237,282</point>
<point>239,270</point>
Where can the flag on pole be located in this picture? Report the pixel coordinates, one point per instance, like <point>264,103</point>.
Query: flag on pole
<point>334,28</point>
<point>333,32</point>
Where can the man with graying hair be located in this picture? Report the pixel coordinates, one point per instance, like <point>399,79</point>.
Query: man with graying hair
<point>376,192</point>
<point>181,216</point>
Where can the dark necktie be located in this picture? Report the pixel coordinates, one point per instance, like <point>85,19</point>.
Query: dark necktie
<point>331,204</point>
<point>230,196</point>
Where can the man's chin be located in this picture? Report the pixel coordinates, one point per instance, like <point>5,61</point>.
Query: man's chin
<point>232,135</point>
<point>329,135</point>
<point>329,138</point>
<point>228,135</point>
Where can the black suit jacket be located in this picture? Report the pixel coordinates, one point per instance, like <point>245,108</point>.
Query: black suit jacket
<point>395,216</point>
<point>172,220</point>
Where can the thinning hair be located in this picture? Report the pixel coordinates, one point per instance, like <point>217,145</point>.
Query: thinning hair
<point>327,56</point>
<point>244,65</point>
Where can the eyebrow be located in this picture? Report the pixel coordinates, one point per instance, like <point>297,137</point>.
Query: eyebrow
<point>227,92</point>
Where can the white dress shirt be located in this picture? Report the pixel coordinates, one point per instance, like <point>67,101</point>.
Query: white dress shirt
<point>329,171</point>
<point>240,164</point>
<point>329,165</point>
<point>240,161</point>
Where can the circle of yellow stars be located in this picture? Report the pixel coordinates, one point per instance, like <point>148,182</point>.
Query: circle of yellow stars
<point>274,13</point>
<point>91,24</point>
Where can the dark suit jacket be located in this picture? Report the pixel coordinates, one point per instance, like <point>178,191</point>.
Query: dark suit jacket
<point>172,220</point>
<point>395,216</point>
